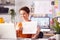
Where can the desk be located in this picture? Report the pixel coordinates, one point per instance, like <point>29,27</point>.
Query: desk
<point>47,35</point>
<point>24,39</point>
<point>31,39</point>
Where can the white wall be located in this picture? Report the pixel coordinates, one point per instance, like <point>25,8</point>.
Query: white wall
<point>22,3</point>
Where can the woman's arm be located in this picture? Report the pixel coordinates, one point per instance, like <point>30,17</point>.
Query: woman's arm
<point>37,33</point>
<point>19,26</point>
<point>19,29</point>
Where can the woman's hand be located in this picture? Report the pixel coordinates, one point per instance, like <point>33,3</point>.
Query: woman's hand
<point>37,32</point>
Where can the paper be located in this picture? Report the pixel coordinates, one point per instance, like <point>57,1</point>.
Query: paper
<point>29,27</point>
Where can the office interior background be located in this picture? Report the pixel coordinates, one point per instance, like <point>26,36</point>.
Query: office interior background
<point>36,6</point>
<point>41,11</point>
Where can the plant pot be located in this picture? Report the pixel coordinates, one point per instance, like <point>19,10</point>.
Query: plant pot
<point>12,19</point>
<point>57,36</point>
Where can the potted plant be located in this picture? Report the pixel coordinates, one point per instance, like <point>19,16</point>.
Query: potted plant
<point>56,27</point>
<point>12,13</point>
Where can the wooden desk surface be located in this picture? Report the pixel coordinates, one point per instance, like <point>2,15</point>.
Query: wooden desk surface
<point>48,34</point>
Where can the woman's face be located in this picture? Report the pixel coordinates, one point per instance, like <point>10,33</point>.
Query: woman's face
<point>24,14</point>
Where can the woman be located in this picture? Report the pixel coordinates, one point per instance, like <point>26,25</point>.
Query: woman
<point>24,11</point>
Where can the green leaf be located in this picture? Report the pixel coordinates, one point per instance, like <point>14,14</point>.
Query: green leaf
<point>56,26</point>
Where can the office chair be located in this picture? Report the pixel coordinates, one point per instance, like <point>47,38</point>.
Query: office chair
<point>40,35</point>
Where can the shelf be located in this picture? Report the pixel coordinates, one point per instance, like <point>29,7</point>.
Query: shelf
<point>7,4</point>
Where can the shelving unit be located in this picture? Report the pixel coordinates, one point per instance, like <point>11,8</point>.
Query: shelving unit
<point>7,2</point>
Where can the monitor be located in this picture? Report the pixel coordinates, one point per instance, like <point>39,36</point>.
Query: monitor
<point>43,22</point>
